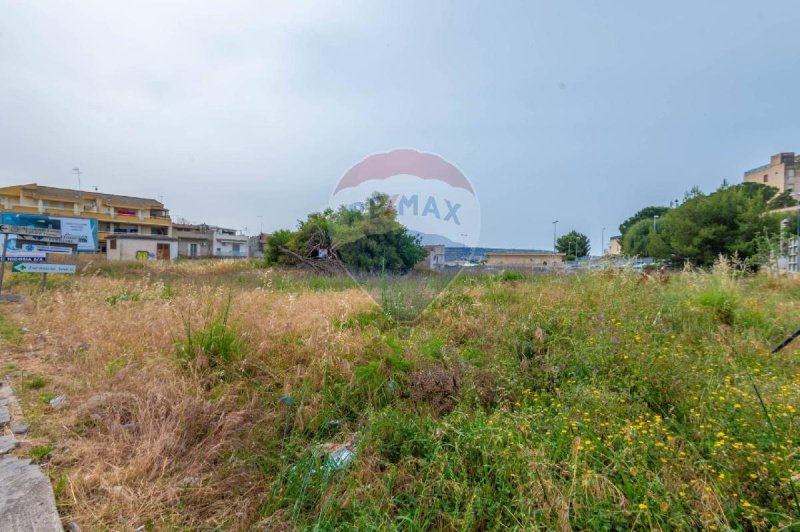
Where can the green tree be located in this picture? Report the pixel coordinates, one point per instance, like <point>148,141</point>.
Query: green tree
<point>276,243</point>
<point>645,214</point>
<point>574,245</point>
<point>646,239</point>
<point>782,200</point>
<point>373,240</point>
<point>367,239</point>
<point>728,221</point>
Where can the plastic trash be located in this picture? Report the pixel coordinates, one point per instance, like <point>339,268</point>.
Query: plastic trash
<point>339,459</point>
<point>57,400</point>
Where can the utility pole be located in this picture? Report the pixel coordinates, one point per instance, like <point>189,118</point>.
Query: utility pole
<point>603,242</point>
<point>260,225</point>
<point>77,172</point>
<point>555,222</point>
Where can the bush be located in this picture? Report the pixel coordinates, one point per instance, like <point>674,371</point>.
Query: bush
<point>214,347</point>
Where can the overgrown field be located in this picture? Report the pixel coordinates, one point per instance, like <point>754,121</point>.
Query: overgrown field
<point>224,396</point>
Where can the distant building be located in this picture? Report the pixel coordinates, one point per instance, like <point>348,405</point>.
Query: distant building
<point>788,258</point>
<point>115,214</point>
<point>256,245</point>
<point>141,247</point>
<point>525,259</point>
<point>614,246</point>
<point>199,241</point>
<point>194,241</point>
<point>229,243</point>
<point>435,259</point>
<point>781,173</point>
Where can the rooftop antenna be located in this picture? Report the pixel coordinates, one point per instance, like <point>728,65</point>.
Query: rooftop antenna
<point>77,172</point>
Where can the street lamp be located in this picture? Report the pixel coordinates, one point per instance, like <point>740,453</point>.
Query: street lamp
<point>555,222</point>
<point>77,172</point>
<point>603,242</point>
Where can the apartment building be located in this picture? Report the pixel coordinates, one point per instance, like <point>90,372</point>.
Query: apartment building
<point>781,173</point>
<point>229,243</point>
<point>202,241</point>
<point>614,246</point>
<point>115,214</point>
<point>195,241</point>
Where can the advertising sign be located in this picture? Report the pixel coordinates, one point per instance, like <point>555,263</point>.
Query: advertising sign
<point>80,231</point>
<point>30,231</point>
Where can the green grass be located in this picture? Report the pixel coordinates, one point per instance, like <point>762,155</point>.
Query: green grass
<point>41,452</point>
<point>9,331</point>
<point>214,347</point>
<point>596,401</point>
<point>592,400</point>
<point>36,382</point>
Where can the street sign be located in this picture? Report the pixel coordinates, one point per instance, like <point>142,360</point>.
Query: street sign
<point>25,259</point>
<point>38,267</point>
<point>35,246</point>
<point>30,231</point>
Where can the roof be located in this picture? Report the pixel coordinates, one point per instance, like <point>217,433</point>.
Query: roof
<point>192,227</point>
<point>45,192</point>
<point>759,169</point>
<point>136,236</point>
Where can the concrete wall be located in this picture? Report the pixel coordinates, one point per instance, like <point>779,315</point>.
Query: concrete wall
<point>129,249</point>
<point>203,247</point>
<point>524,259</point>
<point>782,173</point>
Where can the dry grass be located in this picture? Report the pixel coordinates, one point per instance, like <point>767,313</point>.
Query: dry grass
<point>138,440</point>
<point>555,402</point>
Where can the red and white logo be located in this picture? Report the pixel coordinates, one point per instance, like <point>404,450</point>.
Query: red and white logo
<point>433,198</point>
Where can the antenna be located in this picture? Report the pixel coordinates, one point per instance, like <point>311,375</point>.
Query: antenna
<point>77,172</point>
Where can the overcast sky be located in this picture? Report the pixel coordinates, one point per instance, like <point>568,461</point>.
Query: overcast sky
<point>574,110</point>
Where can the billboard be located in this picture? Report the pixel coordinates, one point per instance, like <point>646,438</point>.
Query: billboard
<point>80,231</point>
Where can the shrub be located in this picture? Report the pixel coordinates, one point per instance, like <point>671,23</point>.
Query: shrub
<point>215,346</point>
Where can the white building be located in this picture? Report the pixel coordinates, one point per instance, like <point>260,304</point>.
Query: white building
<point>141,247</point>
<point>229,243</point>
<point>435,258</point>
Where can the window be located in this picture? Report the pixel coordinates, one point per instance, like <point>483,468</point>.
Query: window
<point>766,178</point>
<point>112,244</point>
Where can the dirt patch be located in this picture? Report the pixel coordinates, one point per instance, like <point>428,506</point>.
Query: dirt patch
<point>437,387</point>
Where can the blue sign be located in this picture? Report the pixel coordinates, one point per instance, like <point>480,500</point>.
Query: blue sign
<point>80,231</point>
